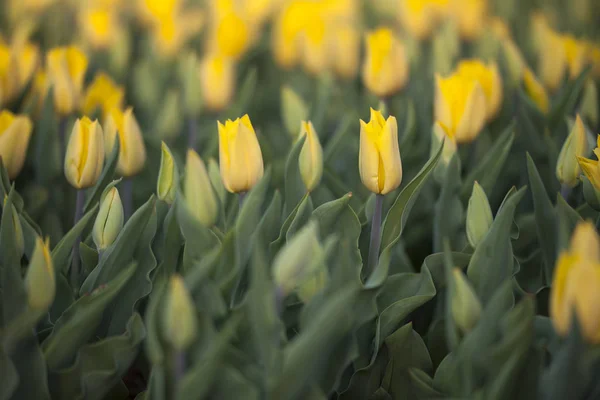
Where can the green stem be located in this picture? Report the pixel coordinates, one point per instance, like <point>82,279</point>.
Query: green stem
<point>241,198</point>
<point>76,259</point>
<point>127,192</point>
<point>179,363</point>
<point>192,133</point>
<point>375,235</point>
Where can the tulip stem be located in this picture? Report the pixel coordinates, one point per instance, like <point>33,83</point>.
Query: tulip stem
<point>80,202</point>
<point>565,192</point>
<point>191,133</point>
<point>241,198</point>
<point>375,235</point>
<point>179,363</point>
<point>127,198</point>
<point>62,137</point>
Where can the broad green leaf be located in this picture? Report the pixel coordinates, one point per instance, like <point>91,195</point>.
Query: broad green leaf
<point>567,99</point>
<point>244,95</point>
<point>294,185</point>
<point>62,251</point>
<point>301,218</point>
<point>271,220</point>
<point>448,220</point>
<point>279,242</point>
<point>338,137</point>
<point>10,376</point>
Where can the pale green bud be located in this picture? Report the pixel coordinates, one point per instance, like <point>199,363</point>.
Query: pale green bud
<point>311,157</point>
<point>465,306</point>
<point>589,103</point>
<point>190,82</point>
<point>294,110</point>
<point>198,192</point>
<point>514,62</point>
<point>576,145</point>
<point>214,174</point>
<point>169,122</point>
<point>479,215</point>
<point>39,281</point>
<point>168,176</point>
<point>109,220</point>
<point>180,322</point>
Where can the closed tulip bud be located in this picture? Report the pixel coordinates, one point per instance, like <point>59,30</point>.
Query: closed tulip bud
<point>591,168</point>
<point>379,156</point>
<point>180,321</point>
<point>172,32</point>
<point>479,216</point>
<point>464,304</point>
<point>293,109</point>
<point>298,260</point>
<point>199,195</point>
<point>240,157</point>
<point>217,81</point>
<point>385,69</point>
<point>589,103</point>
<point>66,69</point>
<point>132,155</point>
<point>15,132</point>
<point>168,176</point>
<point>109,220</point>
<point>460,106</point>
<point>190,82</point>
<point>347,51</point>
<point>490,81</point>
<point>552,59</point>
<point>311,157</point>
<point>535,91</point>
<point>17,229</point>
<point>102,93</point>
<point>576,285</point>
<point>576,145</point>
<point>169,122</point>
<point>85,154</point>
<point>39,280</point>
<point>514,61</point>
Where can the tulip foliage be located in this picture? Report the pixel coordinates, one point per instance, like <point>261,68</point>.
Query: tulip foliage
<point>261,199</point>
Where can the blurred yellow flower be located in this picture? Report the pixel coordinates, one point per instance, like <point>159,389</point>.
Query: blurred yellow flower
<point>66,67</point>
<point>217,81</point>
<point>489,78</point>
<point>17,65</point>
<point>99,26</point>
<point>230,35</point>
<point>535,91</point>
<point>132,151</point>
<point>171,33</point>
<point>346,51</point>
<point>85,154</point>
<point>591,168</point>
<point>15,132</point>
<point>576,285</point>
<point>470,16</point>
<point>156,11</point>
<point>420,17</point>
<point>103,93</point>
<point>385,69</point>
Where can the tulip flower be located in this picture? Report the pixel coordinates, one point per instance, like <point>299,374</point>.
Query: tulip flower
<point>85,154</point>
<point>311,157</point>
<point>460,106</point>
<point>385,69</point>
<point>470,16</point>
<point>379,157</point>
<point>155,11</point>
<point>419,17</point>
<point>174,31</point>
<point>199,195</point>
<point>230,35</point>
<point>346,51</point>
<point>17,65</point>
<point>576,285</point>
<point>7,74</point>
<point>103,93</point>
<point>109,220</point>
<point>168,176</point>
<point>99,25</point>
<point>576,145</point>
<point>536,91</point>
<point>288,24</point>
<point>217,81</point>
<point>180,324</point>
<point>591,168</point>
<point>240,157</point>
<point>314,45</point>
<point>15,132</point>
<point>132,155</point>
<point>479,215</point>
<point>39,280</point>
<point>489,78</point>
<point>66,69</point>
<point>27,60</point>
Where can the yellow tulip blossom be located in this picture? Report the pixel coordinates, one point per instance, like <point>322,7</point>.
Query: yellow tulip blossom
<point>103,93</point>
<point>595,60</point>
<point>17,65</point>
<point>379,161</point>
<point>460,106</point>
<point>489,78</point>
<point>576,53</point>
<point>230,35</point>
<point>591,168</point>
<point>132,151</point>
<point>85,154</point>
<point>40,283</point>
<point>470,15</point>
<point>536,91</point>
<point>385,69</point>
<point>289,23</point>
<point>217,81</point>
<point>576,285</point>
<point>99,26</point>
<point>15,132</point>
<point>346,51</point>
<point>240,157</point>
<point>66,67</point>
<point>7,74</point>
<point>156,11</point>
<point>420,17</point>
<point>171,33</point>
<point>311,157</point>
<point>26,56</point>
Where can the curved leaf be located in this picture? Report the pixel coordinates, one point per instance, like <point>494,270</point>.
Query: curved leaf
<point>62,250</point>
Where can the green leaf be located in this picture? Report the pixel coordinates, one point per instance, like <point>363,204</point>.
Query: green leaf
<point>153,343</point>
<point>566,101</point>
<point>301,218</point>
<point>294,185</point>
<point>47,154</point>
<point>29,362</point>
<point>105,181</point>
<point>278,243</point>
<point>271,220</point>
<point>79,322</point>
<point>591,195</point>
<point>321,101</point>
<point>244,95</point>
<point>448,220</point>
<point>338,138</point>
<point>327,215</point>
<point>10,376</point>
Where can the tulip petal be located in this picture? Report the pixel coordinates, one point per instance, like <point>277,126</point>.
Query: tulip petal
<point>473,115</point>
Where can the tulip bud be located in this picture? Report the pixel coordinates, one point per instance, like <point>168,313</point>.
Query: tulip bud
<point>180,321</point>
<point>168,176</point>
<point>535,91</point>
<point>15,132</point>
<point>217,81</point>
<point>103,93</point>
<point>589,103</point>
<point>347,51</point>
<point>464,304</point>
<point>169,122</point>
<point>385,70</point>
<point>479,216</point>
<point>109,220</point>
<point>198,192</point>
<point>190,82</point>
<point>39,279</point>
<point>298,260</point>
<point>514,61</point>
<point>379,161</point>
<point>132,155</point>
<point>85,154</point>
<point>490,81</point>
<point>460,106</point>
<point>311,157</point>
<point>240,157</point>
<point>591,168</point>
<point>17,228</point>
<point>293,109</point>
<point>576,145</point>
<point>66,69</point>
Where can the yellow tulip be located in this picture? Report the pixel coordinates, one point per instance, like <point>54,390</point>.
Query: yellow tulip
<point>576,285</point>
<point>595,60</point>
<point>171,34</point>
<point>217,81</point>
<point>99,26</point>
<point>199,195</point>
<point>385,70</point>
<point>419,17</point>
<point>132,151</point>
<point>39,280</point>
<point>535,91</point>
<point>459,105</point>
<point>576,53</point>
<point>379,161</point>
<point>26,56</point>
<point>66,68</point>
<point>558,54</point>
<point>311,157</point>
<point>470,16</point>
<point>240,158</point>
<point>155,11</point>
<point>180,325</point>
<point>289,22</point>
<point>15,132</point>
<point>230,35</point>
<point>591,168</point>
<point>346,51</point>
<point>103,93</point>
<point>514,60</point>
<point>489,78</point>
<point>314,44</point>
<point>7,74</point>
<point>576,145</point>
<point>85,154</point>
